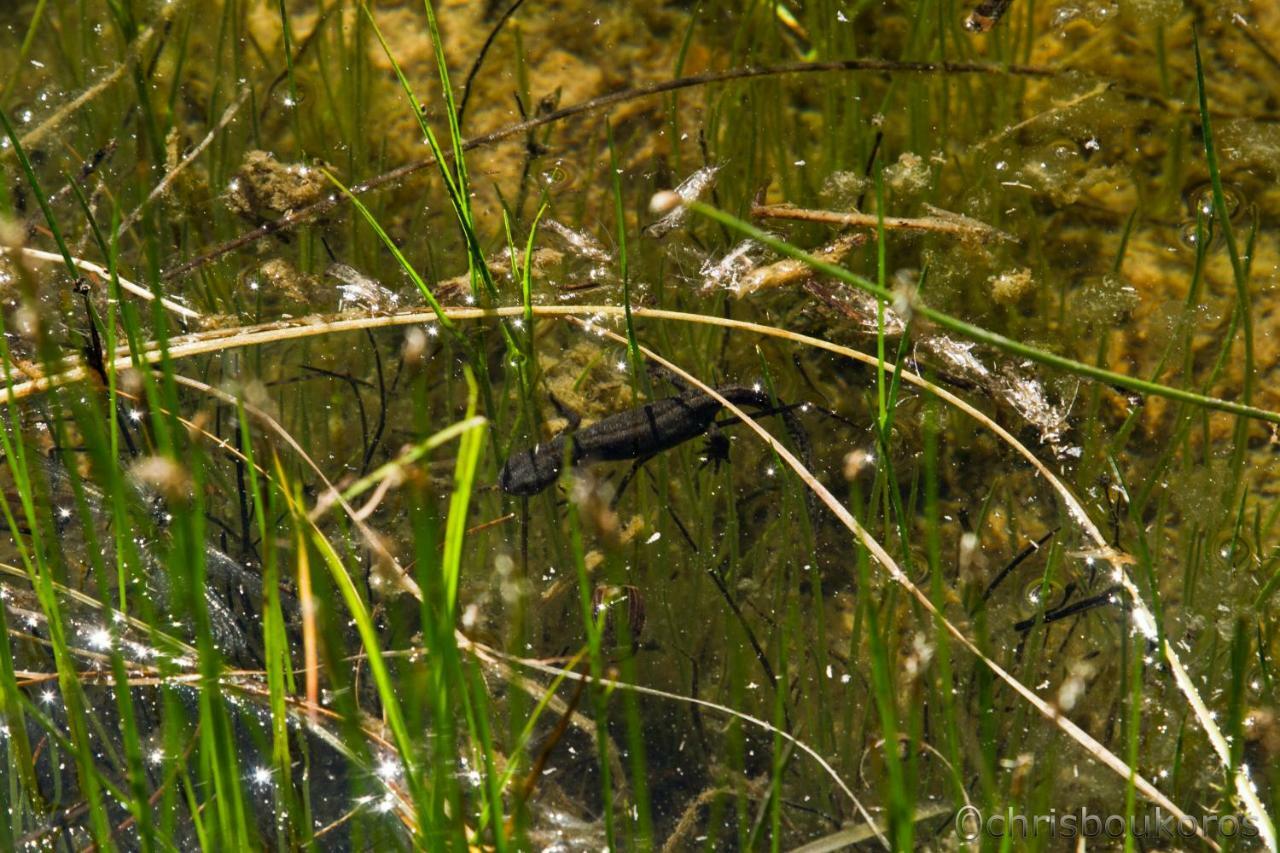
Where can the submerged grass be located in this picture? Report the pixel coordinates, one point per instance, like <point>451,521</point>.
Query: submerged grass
<point>276,619</point>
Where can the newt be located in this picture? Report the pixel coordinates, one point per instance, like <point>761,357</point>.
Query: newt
<point>636,434</point>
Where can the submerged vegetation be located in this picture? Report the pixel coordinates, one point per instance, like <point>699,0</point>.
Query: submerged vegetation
<point>287,285</point>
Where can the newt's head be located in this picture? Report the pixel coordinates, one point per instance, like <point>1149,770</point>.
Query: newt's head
<point>528,472</point>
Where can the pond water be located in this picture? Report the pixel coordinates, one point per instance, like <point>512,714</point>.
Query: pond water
<point>354,501</point>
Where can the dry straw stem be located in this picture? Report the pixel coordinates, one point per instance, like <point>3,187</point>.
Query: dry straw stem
<point>223,339</point>
<point>1091,745</point>
<point>97,269</point>
<point>939,222</point>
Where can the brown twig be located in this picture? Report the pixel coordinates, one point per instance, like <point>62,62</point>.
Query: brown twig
<point>1246,29</point>
<point>940,221</point>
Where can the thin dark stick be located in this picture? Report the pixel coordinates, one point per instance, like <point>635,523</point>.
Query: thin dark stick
<point>742,620</point>
<point>871,162</point>
<point>475,66</point>
<point>87,168</point>
<point>626,481</point>
<point>246,533</point>
<point>524,537</point>
<point>684,531</point>
<point>1068,610</point>
<point>595,104</point>
<point>1027,551</point>
<point>355,389</point>
<point>382,405</point>
<point>525,787</point>
<point>320,373</point>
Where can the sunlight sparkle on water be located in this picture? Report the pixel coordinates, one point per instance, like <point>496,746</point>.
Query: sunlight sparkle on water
<point>100,639</point>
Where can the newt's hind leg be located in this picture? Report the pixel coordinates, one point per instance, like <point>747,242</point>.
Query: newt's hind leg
<point>626,481</point>
<point>565,411</point>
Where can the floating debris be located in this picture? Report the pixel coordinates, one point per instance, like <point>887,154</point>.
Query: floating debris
<point>1014,385</point>
<point>1012,286</point>
<point>594,263</point>
<point>579,243</point>
<point>457,289</point>
<point>729,271</point>
<point>789,271</point>
<point>691,188</point>
<point>263,185</point>
<point>358,290</point>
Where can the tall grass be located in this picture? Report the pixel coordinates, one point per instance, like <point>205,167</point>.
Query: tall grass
<point>249,605</point>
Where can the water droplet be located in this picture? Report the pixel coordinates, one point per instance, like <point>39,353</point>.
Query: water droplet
<point>1037,596</point>
<point>1192,231</point>
<point>1199,200</point>
<point>559,177</point>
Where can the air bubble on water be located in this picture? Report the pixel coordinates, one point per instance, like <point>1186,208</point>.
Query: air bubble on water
<point>1200,202</point>
<point>1103,12</point>
<point>1192,231</point>
<point>1037,595</point>
<point>691,188</point>
<point>289,99</point>
<point>560,176</point>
